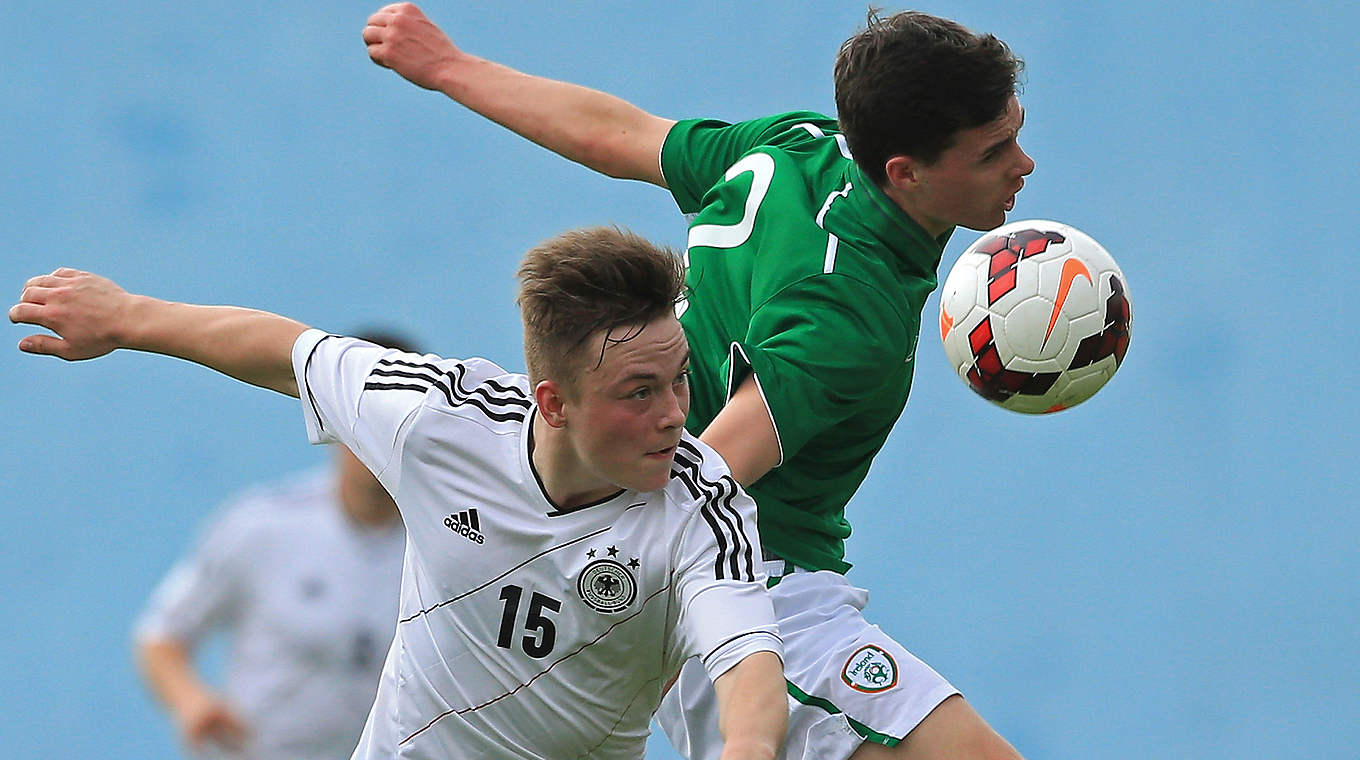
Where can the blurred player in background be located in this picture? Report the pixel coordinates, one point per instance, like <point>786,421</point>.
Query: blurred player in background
<point>303,576</point>
<point>569,546</point>
<point>808,269</point>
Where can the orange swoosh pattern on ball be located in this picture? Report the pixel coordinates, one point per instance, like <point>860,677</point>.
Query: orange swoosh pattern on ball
<point>1072,269</point>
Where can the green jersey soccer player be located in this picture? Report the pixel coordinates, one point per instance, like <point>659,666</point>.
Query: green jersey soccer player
<point>808,269</point>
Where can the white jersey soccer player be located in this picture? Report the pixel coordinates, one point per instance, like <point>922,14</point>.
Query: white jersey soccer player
<point>309,599</point>
<point>515,614</point>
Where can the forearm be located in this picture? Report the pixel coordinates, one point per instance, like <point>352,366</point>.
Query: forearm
<point>595,129</point>
<point>167,667</point>
<point>592,128</point>
<point>753,711</point>
<point>250,345</point>
<point>92,316</point>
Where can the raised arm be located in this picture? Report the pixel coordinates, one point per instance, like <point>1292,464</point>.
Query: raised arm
<point>92,316</point>
<point>753,710</point>
<point>590,127</point>
<point>744,434</point>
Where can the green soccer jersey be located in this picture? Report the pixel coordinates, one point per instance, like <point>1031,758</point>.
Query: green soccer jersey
<point>801,271</point>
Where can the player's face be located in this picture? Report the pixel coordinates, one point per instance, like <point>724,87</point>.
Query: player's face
<point>974,182</point>
<point>630,410</point>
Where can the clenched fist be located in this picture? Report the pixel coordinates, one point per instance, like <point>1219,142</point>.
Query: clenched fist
<point>401,38</point>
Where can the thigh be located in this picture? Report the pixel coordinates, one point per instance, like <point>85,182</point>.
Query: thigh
<point>953,730</point>
<point>849,682</point>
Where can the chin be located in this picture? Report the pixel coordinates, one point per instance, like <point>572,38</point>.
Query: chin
<point>652,481</point>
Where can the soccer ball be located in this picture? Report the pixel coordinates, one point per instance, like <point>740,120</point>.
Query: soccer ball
<point>1035,316</point>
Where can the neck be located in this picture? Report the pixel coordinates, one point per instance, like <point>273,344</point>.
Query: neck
<point>907,202</point>
<point>561,470</point>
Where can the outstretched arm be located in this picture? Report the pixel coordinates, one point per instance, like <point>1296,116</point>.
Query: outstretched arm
<point>92,316</point>
<point>590,127</point>
<point>753,710</point>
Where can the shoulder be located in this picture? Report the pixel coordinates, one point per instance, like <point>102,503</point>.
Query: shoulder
<point>474,389</point>
<point>776,128</point>
<point>698,475</point>
<point>856,292</point>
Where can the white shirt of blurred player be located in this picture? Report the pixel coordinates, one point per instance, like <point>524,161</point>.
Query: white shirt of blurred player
<point>524,631</point>
<point>309,598</point>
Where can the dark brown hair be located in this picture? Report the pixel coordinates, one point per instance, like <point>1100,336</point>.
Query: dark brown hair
<point>909,82</point>
<point>585,281</point>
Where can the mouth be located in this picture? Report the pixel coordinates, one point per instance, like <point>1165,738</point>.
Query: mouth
<point>1010,202</point>
<point>665,453</point>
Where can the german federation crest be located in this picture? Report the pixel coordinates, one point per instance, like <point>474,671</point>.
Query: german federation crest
<point>870,670</point>
<point>606,586</point>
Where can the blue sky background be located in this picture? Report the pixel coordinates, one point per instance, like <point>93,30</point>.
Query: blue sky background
<point>1169,570</point>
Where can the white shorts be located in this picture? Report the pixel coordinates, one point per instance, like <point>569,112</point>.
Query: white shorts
<point>848,682</point>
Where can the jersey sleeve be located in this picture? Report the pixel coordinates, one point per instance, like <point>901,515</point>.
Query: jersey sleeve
<point>697,152</point>
<point>725,609</point>
<point>808,371</point>
<point>368,397</point>
<point>333,374</point>
<point>205,589</point>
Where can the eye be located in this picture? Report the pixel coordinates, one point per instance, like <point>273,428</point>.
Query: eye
<point>641,393</point>
<point>683,377</point>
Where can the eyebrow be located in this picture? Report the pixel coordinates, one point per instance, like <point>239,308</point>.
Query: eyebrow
<point>636,376</point>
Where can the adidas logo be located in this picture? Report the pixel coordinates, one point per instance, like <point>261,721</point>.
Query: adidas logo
<point>465,524</point>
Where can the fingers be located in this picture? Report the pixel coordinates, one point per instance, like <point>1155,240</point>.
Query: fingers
<point>25,313</point>
<point>385,15</point>
<point>39,294</point>
<point>61,276</point>
<point>45,345</point>
<point>39,291</point>
<point>217,724</point>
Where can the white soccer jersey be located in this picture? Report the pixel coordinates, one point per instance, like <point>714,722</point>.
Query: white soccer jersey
<point>308,597</point>
<point>525,631</point>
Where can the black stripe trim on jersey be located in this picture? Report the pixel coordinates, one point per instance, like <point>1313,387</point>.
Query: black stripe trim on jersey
<point>453,389</point>
<point>742,555</point>
<point>510,389</point>
<point>711,493</point>
<point>721,516</point>
<point>306,370</point>
<point>729,517</point>
<point>718,563</point>
<point>716,649</point>
<point>642,607</point>
<point>509,395</point>
<point>450,383</point>
<point>522,398</point>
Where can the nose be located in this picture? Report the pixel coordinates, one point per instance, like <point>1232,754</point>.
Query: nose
<point>676,408</point>
<point>1026,164</point>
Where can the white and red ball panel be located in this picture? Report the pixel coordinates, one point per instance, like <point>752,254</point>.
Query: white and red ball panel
<point>1035,316</point>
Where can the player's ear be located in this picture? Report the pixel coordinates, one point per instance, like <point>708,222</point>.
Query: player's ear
<point>552,403</point>
<point>901,172</point>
